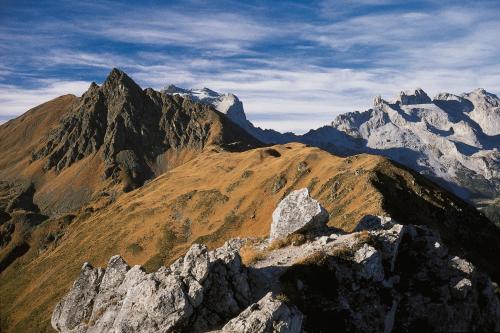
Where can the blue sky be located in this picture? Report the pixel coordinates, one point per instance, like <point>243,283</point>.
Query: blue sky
<point>294,64</point>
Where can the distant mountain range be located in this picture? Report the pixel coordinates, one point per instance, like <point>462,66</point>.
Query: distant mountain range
<point>454,140</point>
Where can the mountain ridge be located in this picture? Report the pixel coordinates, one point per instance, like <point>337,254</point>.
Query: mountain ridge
<point>452,139</point>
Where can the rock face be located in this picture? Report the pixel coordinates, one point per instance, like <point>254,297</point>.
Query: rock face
<point>18,216</point>
<point>267,315</point>
<point>439,138</point>
<point>230,105</point>
<point>296,212</point>
<point>417,97</point>
<point>201,291</point>
<point>131,128</point>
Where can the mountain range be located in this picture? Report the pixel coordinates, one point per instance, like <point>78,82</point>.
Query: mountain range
<point>151,175</point>
<point>454,140</point>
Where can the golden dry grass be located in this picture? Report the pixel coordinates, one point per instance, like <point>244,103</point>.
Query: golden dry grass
<point>194,202</point>
<point>191,201</point>
<point>294,239</point>
<point>316,258</point>
<point>251,254</point>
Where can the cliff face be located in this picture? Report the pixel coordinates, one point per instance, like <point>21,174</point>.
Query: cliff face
<point>131,128</point>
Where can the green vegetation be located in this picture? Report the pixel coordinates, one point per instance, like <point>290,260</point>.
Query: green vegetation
<point>165,246</point>
<point>231,222</point>
<point>134,248</point>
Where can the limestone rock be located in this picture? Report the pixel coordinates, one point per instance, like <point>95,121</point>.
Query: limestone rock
<point>74,310</point>
<point>386,277</point>
<point>266,316</point>
<point>371,262</point>
<point>371,222</point>
<point>296,212</point>
<point>202,290</point>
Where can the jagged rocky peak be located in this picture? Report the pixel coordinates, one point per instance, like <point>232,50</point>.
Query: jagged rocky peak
<point>227,103</point>
<point>232,107</point>
<point>173,89</point>
<point>382,277</point>
<point>418,96</point>
<point>486,110</point>
<point>378,101</point>
<point>119,79</point>
<point>131,127</point>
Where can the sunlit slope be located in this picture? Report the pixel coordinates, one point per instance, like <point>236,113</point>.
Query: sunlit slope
<point>219,195</point>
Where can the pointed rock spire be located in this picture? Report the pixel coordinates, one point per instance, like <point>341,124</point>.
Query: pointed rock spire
<point>417,97</point>
<point>118,79</point>
<point>378,101</point>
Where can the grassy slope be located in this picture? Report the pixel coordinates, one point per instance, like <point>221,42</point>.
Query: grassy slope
<point>210,199</point>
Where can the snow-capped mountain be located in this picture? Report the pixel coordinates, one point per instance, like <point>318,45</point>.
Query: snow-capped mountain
<point>231,106</point>
<point>452,139</point>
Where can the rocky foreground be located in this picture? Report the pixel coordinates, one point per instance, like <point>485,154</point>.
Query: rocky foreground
<point>308,278</point>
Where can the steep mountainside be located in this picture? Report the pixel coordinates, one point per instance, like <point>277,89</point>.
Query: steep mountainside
<point>114,135</point>
<point>454,140</point>
<point>220,195</point>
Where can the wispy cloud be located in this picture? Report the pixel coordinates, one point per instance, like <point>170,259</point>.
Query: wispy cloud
<point>295,66</point>
<point>16,100</point>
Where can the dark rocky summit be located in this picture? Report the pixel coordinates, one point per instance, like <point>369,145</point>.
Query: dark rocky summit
<point>384,277</point>
<point>132,128</point>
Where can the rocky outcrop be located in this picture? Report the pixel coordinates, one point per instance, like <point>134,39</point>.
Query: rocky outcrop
<point>18,217</point>
<point>297,212</point>
<point>383,277</point>
<point>410,98</point>
<point>397,278</point>
<point>486,110</point>
<point>230,105</point>
<point>267,315</point>
<point>201,290</point>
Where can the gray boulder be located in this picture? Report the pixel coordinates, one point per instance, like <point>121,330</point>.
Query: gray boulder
<point>297,212</point>
<point>266,316</point>
<point>371,262</point>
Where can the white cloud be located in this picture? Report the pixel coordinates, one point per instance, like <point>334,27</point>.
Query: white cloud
<point>16,100</point>
<point>454,49</point>
<point>225,32</point>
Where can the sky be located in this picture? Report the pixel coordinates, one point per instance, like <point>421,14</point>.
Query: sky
<point>294,64</point>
